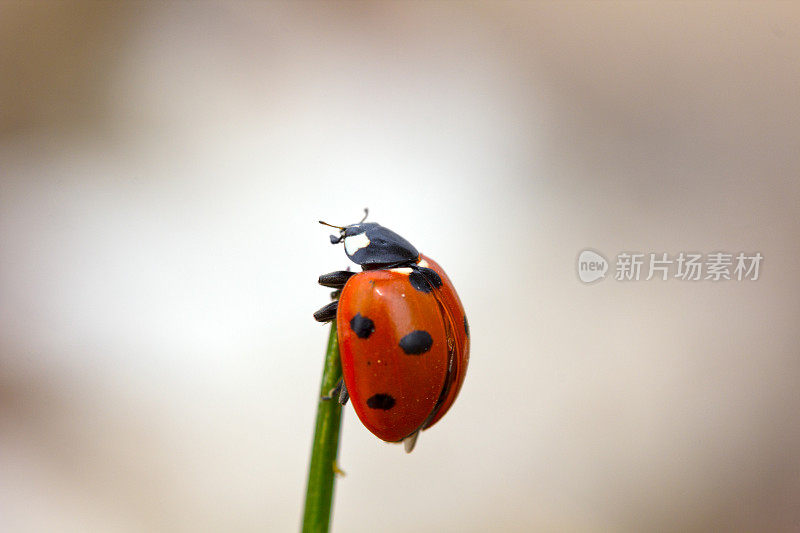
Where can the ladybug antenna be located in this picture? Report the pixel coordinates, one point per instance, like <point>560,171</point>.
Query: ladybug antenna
<point>366,214</point>
<point>334,239</point>
<point>331,225</point>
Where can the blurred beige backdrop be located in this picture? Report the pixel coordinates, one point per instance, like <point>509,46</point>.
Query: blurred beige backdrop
<point>163,168</point>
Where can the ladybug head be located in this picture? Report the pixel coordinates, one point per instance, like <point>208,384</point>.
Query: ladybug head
<point>372,246</point>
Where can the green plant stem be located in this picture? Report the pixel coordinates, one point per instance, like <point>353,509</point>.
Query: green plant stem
<point>322,470</point>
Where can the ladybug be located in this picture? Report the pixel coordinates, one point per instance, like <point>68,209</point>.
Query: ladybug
<point>403,335</point>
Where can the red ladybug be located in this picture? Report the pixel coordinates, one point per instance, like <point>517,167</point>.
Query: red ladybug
<point>403,335</point>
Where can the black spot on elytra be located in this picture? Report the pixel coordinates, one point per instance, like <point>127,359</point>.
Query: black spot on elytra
<point>466,325</point>
<point>417,342</point>
<point>380,401</point>
<point>432,277</point>
<point>425,279</point>
<point>419,282</point>
<point>362,326</point>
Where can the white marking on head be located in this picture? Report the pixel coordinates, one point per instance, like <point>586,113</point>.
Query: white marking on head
<point>354,243</point>
<point>403,270</point>
<point>423,263</point>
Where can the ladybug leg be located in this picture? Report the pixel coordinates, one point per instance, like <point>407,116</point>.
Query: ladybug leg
<point>334,391</point>
<point>327,313</point>
<point>335,280</point>
<point>410,441</point>
<point>343,394</point>
<point>341,390</point>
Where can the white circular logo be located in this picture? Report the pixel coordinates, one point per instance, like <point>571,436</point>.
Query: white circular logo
<point>591,266</point>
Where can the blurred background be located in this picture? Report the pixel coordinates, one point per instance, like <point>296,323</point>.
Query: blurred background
<point>162,169</point>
